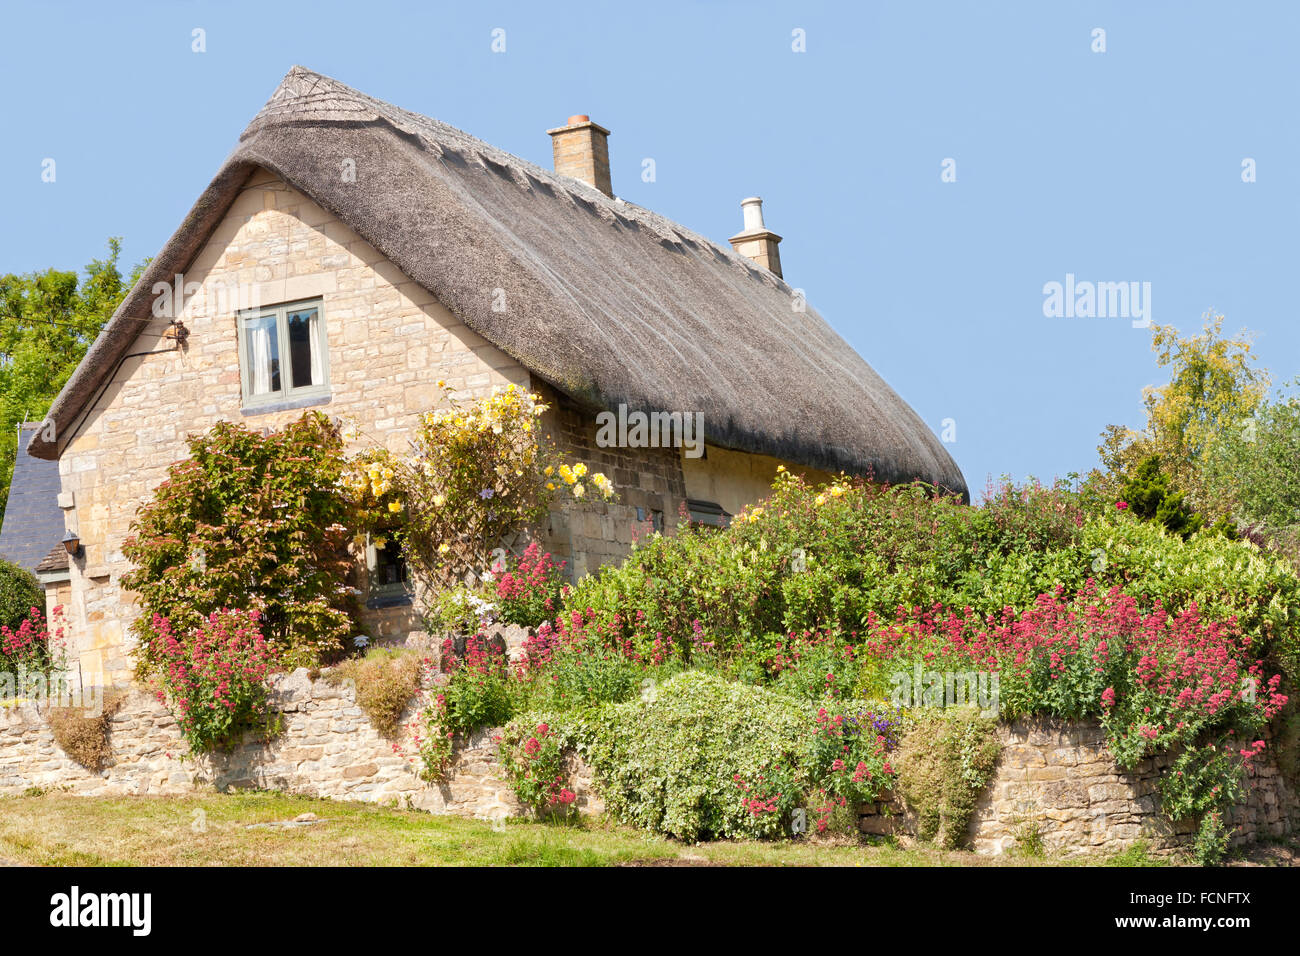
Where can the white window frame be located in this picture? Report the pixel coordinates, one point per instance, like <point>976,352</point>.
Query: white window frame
<point>287,392</point>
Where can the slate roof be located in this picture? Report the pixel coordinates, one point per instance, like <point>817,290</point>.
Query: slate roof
<point>33,523</point>
<point>608,302</point>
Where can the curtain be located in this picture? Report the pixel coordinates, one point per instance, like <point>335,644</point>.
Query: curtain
<point>317,350</point>
<point>259,347</point>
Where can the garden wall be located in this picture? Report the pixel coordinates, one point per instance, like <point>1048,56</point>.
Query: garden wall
<point>1054,775</point>
<point>327,748</point>
<point>1058,777</point>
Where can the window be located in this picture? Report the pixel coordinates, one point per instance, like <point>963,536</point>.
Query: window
<point>708,513</point>
<point>283,354</point>
<point>390,581</point>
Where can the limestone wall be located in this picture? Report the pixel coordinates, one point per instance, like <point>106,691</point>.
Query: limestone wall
<point>326,748</point>
<point>1058,778</point>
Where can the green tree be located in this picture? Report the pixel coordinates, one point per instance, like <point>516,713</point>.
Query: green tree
<point>47,321</point>
<point>1257,465</point>
<point>1214,388</point>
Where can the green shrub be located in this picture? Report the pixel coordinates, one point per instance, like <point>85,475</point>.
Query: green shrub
<point>699,757</point>
<point>386,681</point>
<point>480,692</point>
<point>946,762</point>
<point>1224,578</point>
<point>533,759</point>
<point>19,593</point>
<point>673,764</point>
<point>254,522</point>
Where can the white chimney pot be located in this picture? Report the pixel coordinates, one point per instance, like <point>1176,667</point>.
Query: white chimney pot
<point>753,210</point>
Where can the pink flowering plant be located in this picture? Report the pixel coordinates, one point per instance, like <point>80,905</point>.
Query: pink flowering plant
<point>1159,682</point>
<point>431,734</point>
<point>31,653</point>
<point>530,587</point>
<point>214,678</point>
<point>533,759</point>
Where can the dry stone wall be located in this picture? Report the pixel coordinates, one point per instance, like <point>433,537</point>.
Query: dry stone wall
<point>1057,778</point>
<point>326,748</point>
<point>1052,776</point>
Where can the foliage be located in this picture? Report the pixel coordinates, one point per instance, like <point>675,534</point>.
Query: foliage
<point>946,761</point>
<point>385,681</point>
<point>214,678</point>
<point>478,693</point>
<point>433,737</point>
<point>673,763</point>
<point>1146,493</point>
<point>698,756</point>
<point>529,589</point>
<point>837,557</point>
<point>1213,390</point>
<point>1254,466</point>
<point>251,521</point>
<point>480,472</point>
<point>459,610</point>
<point>1212,839</point>
<point>30,653</point>
<point>20,594</point>
<point>47,321</point>
<point>84,736</point>
<point>533,760</point>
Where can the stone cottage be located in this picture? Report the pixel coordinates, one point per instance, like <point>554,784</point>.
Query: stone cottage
<point>350,254</point>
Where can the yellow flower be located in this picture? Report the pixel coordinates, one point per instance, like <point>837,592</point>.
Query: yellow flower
<point>439,500</point>
<point>444,548</point>
<point>567,474</point>
<point>836,491</point>
<point>820,500</point>
<point>579,470</point>
<point>394,506</point>
<point>550,486</point>
<point>548,470</point>
<point>780,467</point>
<point>578,490</point>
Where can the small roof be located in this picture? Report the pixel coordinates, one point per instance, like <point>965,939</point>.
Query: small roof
<point>608,302</point>
<point>32,519</point>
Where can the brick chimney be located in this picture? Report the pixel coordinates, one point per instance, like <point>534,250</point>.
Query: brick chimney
<point>582,151</point>
<point>755,241</point>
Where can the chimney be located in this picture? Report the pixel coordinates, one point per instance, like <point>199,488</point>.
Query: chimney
<point>755,241</point>
<point>582,151</point>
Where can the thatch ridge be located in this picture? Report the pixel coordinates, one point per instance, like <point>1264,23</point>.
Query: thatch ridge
<point>608,301</point>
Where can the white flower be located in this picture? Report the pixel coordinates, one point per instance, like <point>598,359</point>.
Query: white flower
<point>361,640</point>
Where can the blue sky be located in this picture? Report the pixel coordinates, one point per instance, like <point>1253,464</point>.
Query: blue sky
<point>1115,166</point>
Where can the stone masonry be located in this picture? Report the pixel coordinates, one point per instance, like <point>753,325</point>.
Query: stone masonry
<point>326,748</point>
<point>1058,778</point>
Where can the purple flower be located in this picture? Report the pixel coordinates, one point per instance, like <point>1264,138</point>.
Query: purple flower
<point>486,493</point>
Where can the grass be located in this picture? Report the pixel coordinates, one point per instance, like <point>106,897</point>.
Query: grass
<point>57,829</point>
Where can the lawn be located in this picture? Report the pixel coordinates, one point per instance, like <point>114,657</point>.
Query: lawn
<point>54,829</point>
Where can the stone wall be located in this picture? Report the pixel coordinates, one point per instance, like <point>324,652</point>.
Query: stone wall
<point>326,748</point>
<point>1057,778</point>
<point>1052,776</point>
<point>648,481</point>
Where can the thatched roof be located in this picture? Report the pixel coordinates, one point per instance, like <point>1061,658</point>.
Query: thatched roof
<point>605,300</point>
